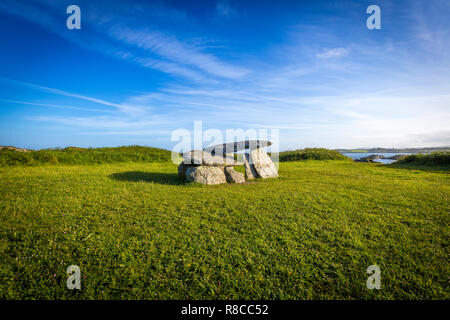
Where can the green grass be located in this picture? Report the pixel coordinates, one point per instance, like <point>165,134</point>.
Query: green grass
<point>311,154</point>
<point>138,232</point>
<point>74,155</point>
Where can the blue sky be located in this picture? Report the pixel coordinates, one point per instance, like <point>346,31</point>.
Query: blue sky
<point>137,70</point>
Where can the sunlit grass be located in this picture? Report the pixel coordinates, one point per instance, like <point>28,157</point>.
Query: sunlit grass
<point>138,232</point>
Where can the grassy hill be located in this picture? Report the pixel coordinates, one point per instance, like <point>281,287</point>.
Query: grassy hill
<point>435,159</point>
<point>75,155</point>
<point>138,232</point>
<point>311,154</point>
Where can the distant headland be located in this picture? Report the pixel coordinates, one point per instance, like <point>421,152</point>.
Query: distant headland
<point>394,150</point>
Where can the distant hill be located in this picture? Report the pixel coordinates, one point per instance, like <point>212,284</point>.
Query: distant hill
<point>393,150</point>
<point>74,155</point>
<point>13,148</point>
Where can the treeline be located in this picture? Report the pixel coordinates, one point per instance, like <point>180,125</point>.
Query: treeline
<point>74,155</point>
<point>311,154</point>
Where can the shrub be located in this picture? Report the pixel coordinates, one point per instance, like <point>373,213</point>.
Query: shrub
<point>428,159</point>
<point>74,155</point>
<point>311,154</point>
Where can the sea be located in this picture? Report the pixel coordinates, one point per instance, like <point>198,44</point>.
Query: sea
<point>357,155</point>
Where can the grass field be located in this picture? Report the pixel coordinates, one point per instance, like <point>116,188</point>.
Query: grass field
<point>138,232</point>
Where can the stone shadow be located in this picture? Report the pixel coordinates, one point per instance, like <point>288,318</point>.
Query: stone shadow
<point>155,177</point>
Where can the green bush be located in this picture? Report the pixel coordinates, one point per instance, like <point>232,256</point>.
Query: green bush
<point>311,154</point>
<point>74,155</point>
<point>428,159</point>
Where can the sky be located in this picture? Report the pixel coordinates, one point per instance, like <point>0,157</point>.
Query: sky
<point>138,70</point>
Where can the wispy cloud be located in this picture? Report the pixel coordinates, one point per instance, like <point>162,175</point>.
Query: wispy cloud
<point>47,105</point>
<point>171,68</point>
<point>122,107</point>
<point>333,53</point>
<point>163,52</point>
<point>437,137</point>
<point>144,133</point>
<point>307,86</point>
<point>181,55</point>
<point>224,9</point>
<point>114,122</point>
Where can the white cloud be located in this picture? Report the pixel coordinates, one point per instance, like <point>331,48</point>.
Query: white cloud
<point>176,54</point>
<point>440,138</point>
<point>127,108</point>
<point>332,53</point>
<point>47,105</point>
<point>102,122</point>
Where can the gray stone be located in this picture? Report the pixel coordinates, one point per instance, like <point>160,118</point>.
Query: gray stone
<point>182,169</point>
<point>237,146</point>
<point>250,171</point>
<point>263,164</point>
<point>214,165</point>
<point>206,175</point>
<point>234,176</point>
<point>199,157</point>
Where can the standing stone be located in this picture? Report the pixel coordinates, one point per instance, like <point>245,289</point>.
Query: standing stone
<point>234,176</point>
<point>206,175</point>
<point>263,164</point>
<point>182,169</point>
<point>214,165</point>
<point>250,171</point>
